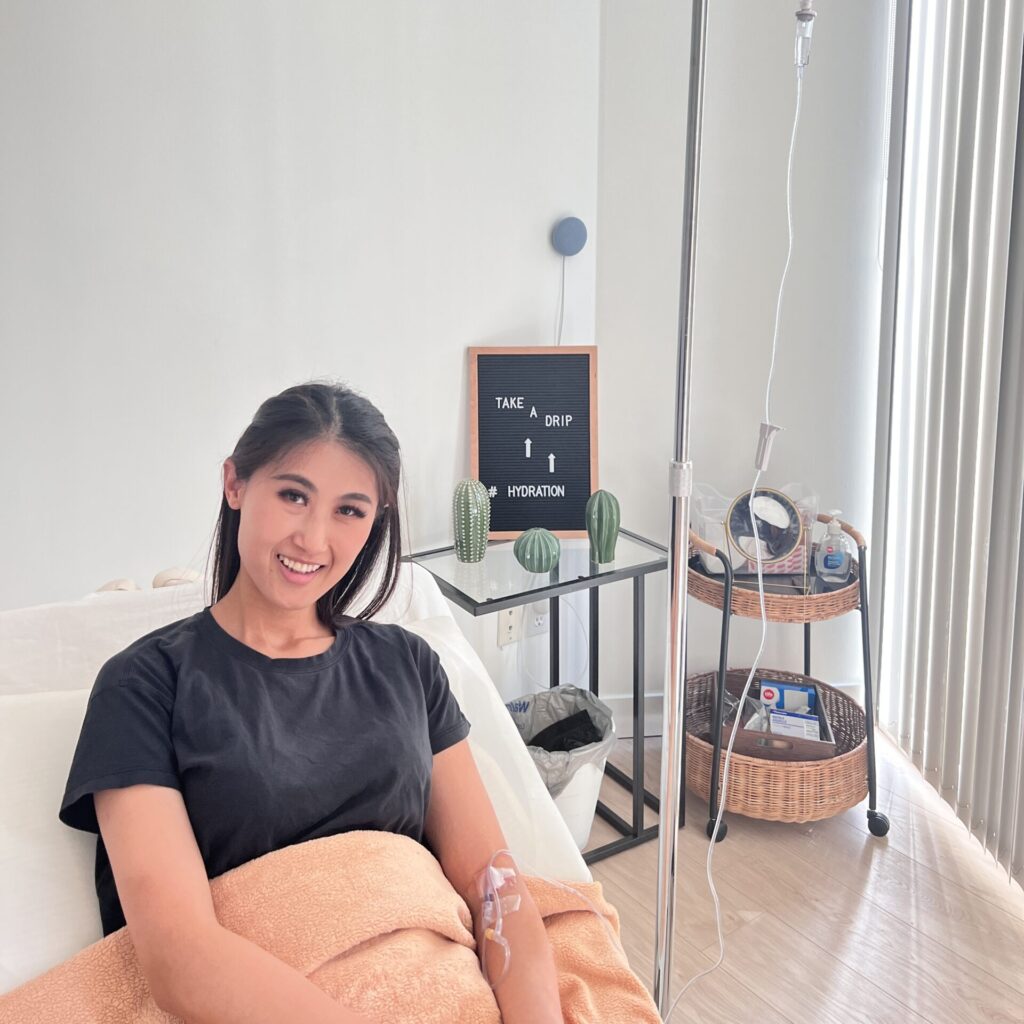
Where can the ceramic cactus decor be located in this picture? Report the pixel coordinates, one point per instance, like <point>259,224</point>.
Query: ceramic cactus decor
<point>537,550</point>
<point>602,525</point>
<point>471,520</point>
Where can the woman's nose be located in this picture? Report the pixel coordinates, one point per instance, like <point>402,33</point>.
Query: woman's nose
<point>312,539</point>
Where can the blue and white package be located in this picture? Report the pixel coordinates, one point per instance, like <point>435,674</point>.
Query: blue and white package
<point>788,697</point>
<point>788,723</point>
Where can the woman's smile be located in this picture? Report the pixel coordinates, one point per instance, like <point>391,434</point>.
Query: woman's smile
<point>294,576</point>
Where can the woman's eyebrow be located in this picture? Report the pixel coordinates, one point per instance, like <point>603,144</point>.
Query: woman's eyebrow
<point>351,496</point>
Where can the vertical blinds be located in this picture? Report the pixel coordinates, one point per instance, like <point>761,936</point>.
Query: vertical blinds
<point>951,681</point>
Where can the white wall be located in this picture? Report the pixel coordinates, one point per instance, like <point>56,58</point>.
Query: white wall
<point>204,203</point>
<point>824,386</point>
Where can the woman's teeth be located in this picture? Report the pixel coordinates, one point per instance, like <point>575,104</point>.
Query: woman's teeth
<point>298,566</point>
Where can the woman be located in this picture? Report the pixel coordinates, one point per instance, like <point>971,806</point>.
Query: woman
<point>272,717</point>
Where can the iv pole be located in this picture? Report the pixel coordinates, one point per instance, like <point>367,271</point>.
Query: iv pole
<point>680,489</point>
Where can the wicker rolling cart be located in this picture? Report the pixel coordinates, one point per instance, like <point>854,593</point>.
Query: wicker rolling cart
<point>775,789</point>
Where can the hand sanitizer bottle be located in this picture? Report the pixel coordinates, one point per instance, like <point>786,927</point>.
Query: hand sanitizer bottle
<point>834,555</point>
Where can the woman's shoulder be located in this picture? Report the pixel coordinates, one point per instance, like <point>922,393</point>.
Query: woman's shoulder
<point>387,635</point>
<point>150,660</point>
<point>371,629</point>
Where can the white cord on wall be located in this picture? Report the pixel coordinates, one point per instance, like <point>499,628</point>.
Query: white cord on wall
<point>561,307</point>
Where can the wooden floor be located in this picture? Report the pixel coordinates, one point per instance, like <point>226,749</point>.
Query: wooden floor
<point>823,922</point>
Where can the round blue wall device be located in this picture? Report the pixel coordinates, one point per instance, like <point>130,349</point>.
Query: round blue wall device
<point>569,235</point>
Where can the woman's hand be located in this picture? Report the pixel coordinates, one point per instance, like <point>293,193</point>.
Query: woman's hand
<point>464,834</point>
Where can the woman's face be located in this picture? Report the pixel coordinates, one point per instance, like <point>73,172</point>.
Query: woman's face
<point>315,507</point>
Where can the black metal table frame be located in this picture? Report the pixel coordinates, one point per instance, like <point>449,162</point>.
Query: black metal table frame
<point>633,834</point>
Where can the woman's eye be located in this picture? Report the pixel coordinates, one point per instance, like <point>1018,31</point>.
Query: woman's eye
<point>350,511</point>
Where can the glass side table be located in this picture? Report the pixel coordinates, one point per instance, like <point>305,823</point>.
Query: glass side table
<point>499,581</point>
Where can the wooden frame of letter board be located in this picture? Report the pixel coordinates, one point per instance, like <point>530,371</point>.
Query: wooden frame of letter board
<point>548,351</point>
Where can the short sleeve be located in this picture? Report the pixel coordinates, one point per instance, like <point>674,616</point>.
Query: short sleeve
<point>445,720</point>
<point>125,739</point>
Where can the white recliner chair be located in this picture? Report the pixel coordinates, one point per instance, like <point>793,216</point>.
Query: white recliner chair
<point>49,657</point>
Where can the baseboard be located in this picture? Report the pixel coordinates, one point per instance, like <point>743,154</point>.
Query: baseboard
<point>654,706</point>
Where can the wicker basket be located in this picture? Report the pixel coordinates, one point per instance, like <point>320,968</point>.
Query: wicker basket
<point>778,607</point>
<point>779,790</point>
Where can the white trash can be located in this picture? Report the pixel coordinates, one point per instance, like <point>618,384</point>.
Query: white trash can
<point>572,776</point>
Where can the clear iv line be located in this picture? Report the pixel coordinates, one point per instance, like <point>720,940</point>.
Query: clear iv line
<point>757,550</point>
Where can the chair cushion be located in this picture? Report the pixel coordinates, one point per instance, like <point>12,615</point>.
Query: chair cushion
<point>48,902</point>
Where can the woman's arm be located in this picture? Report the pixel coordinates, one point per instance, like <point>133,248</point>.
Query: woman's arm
<point>195,968</point>
<point>225,977</point>
<point>464,833</point>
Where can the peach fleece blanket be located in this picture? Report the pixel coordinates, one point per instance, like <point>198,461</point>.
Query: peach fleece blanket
<point>371,919</point>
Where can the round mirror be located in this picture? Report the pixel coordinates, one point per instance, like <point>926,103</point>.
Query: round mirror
<point>779,526</point>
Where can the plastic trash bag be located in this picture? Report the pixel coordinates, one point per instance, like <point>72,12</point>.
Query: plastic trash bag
<point>536,713</point>
<point>754,717</point>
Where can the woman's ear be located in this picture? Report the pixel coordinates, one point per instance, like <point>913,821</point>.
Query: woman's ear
<point>233,489</point>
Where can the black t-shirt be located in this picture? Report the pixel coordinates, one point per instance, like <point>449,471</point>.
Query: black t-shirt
<point>267,752</point>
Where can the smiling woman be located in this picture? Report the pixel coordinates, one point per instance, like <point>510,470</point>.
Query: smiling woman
<point>274,717</point>
<point>293,543</point>
<point>327,440</point>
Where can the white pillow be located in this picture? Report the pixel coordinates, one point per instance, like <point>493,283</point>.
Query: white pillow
<point>62,646</point>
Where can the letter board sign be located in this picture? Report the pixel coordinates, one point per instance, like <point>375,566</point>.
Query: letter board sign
<point>533,418</point>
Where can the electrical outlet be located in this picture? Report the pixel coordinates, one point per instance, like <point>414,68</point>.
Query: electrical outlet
<point>537,619</point>
<point>510,626</point>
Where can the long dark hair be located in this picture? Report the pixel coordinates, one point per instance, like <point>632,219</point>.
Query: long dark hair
<point>305,414</point>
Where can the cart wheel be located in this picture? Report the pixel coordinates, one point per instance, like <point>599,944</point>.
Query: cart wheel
<point>878,823</point>
<point>722,829</point>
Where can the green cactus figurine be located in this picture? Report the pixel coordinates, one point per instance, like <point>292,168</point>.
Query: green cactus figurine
<point>537,550</point>
<point>602,525</point>
<point>471,520</point>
